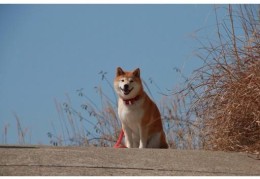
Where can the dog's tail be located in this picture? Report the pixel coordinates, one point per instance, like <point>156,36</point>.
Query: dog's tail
<point>119,140</point>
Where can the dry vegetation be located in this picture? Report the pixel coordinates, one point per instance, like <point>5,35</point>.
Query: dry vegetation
<point>226,89</point>
<point>94,124</point>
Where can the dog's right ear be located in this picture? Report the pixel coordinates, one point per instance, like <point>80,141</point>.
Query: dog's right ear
<point>119,71</point>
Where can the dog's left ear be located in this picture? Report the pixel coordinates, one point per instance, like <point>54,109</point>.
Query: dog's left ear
<point>137,73</point>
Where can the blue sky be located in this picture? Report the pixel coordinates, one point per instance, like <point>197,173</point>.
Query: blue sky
<point>48,51</point>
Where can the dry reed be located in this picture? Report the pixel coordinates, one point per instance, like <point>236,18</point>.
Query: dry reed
<point>226,89</point>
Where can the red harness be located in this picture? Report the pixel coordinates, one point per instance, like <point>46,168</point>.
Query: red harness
<point>119,140</point>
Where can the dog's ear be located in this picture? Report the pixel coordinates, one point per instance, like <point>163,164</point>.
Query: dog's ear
<point>137,73</point>
<point>119,71</point>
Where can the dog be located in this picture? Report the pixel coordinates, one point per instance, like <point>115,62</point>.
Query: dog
<point>140,117</point>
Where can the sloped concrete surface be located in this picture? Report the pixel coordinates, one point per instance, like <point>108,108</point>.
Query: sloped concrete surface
<point>74,161</point>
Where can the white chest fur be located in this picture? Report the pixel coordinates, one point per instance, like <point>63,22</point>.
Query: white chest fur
<point>131,115</point>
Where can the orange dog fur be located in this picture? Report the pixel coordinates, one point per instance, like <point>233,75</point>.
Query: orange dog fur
<point>139,115</point>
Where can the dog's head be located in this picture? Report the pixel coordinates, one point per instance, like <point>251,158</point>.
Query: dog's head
<point>128,84</point>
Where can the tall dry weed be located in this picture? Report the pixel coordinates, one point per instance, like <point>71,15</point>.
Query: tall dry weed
<point>93,124</point>
<point>226,89</point>
<point>183,129</point>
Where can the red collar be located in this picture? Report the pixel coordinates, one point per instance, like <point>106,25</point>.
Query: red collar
<point>131,101</point>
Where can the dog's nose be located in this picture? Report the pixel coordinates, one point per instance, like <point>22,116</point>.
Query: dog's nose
<point>126,86</point>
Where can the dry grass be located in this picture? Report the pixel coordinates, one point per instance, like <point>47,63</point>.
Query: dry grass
<point>183,131</point>
<point>226,90</point>
<point>92,125</point>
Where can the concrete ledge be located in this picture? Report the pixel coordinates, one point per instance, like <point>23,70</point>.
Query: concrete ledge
<point>40,160</point>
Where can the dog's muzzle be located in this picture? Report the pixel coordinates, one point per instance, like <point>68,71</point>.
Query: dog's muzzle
<point>126,89</point>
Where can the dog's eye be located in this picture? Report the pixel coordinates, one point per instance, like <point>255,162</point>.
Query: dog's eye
<point>131,81</point>
<point>122,80</point>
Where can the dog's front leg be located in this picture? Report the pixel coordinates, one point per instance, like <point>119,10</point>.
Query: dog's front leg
<point>143,138</point>
<point>128,136</point>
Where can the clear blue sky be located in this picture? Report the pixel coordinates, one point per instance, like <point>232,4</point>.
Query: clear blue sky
<point>47,51</point>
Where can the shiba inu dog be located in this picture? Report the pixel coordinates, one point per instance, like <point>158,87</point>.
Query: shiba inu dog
<point>140,117</point>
